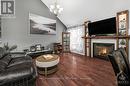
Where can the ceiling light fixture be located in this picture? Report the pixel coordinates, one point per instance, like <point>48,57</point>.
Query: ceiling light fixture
<point>55,8</point>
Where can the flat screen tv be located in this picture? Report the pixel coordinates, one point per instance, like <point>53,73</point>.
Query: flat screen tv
<point>103,27</point>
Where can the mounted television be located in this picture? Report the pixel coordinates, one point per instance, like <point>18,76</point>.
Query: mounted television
<point>103,27</point>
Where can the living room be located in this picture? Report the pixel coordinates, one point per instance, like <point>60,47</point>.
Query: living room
<point>22,35</point>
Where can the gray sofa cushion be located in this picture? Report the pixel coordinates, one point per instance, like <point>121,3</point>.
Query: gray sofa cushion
<point>20,60</point>
<point>4,62</point>
<point>2,66</point>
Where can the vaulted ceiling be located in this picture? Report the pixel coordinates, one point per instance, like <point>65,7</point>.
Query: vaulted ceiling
<point>77,11</point>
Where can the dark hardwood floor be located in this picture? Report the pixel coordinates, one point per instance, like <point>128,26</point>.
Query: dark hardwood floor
<point>76,70</point>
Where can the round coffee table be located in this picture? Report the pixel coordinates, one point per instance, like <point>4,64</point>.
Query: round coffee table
<point>47,64</point>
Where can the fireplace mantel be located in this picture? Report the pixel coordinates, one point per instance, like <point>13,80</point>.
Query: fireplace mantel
<point>106,37</point>
<point>117,38</point>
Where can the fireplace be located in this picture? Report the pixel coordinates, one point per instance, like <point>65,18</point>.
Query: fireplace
<point>101,50</point>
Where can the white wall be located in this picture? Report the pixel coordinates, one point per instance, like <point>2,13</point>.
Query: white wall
<point>17,30</point>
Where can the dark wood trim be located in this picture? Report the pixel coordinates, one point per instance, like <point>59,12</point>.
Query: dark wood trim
<point>87,41</point>
<point>126,37</point>
<point>106,37</point>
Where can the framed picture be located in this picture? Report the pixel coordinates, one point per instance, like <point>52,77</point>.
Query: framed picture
<point>122,23</point>
<point>42,25</point>
<point>38,47</point>
<point>32,49</point>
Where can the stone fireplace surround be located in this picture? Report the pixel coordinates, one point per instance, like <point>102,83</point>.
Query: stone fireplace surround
<point>112,41</point>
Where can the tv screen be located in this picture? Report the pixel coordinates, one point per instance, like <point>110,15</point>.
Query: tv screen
<point>103,27</point>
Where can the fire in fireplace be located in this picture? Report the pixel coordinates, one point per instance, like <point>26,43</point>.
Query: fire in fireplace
<point>101,50</point>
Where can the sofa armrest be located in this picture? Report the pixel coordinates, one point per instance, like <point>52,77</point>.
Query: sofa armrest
<point>18,72</point>
<point>17,54</point>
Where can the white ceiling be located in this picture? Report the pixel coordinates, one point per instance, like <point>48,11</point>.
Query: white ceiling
<point>77,11</point>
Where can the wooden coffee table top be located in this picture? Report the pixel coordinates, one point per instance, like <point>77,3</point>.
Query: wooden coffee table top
<point>47,58</point>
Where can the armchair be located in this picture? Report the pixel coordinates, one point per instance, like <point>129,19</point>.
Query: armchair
<point>121,69</point>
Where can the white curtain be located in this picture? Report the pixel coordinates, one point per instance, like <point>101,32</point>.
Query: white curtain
<point>76,40</point>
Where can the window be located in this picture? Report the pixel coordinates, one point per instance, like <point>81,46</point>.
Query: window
<point>76,40</point>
